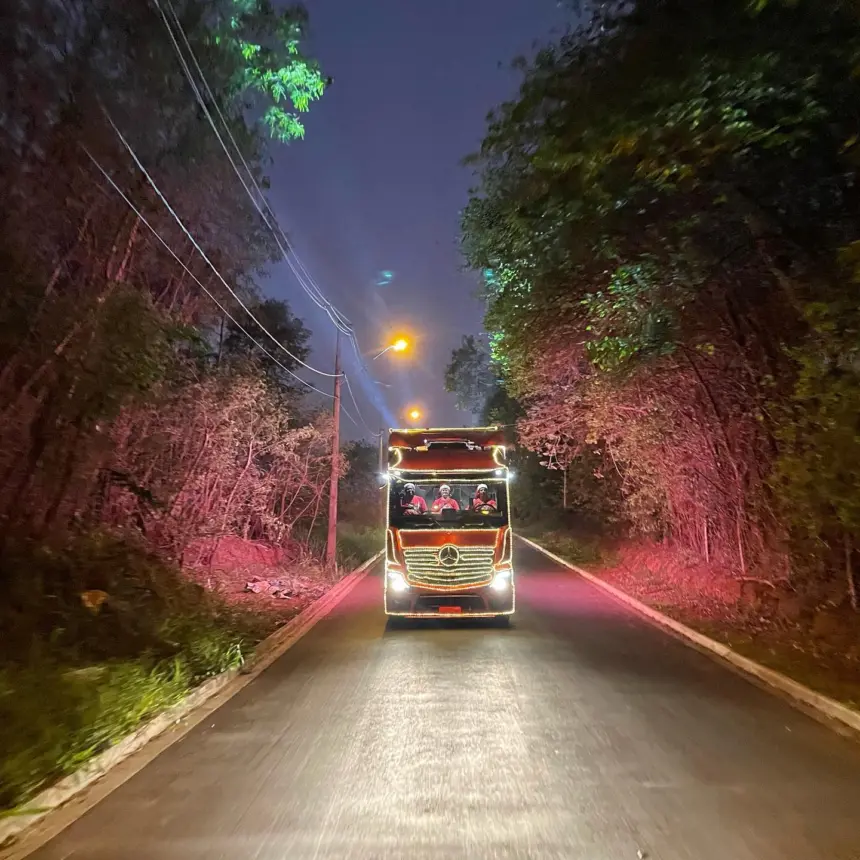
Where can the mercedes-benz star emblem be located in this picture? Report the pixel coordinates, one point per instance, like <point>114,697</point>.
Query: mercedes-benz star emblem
<point>449,555</point>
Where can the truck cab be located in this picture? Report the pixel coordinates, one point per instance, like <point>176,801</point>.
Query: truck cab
<point>448,537</point>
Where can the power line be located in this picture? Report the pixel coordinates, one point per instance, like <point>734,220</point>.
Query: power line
<point>355,403</point>
<point>315,293</point>
<point>202,286</point>
<point>202,253</point>
<point>367,373</point>
<point>348,415</point>
<point>304,277</point>
<point>307,282</point>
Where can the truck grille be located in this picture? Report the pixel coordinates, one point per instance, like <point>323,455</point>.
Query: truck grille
<point>474,567</point>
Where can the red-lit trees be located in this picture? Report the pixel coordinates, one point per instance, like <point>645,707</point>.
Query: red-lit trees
<point>123,389</point>
<point>659,215</point>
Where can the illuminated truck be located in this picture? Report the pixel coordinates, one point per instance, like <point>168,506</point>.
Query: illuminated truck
<point>448,538</point>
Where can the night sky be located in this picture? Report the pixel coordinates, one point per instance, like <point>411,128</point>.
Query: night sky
<point>377,185</point>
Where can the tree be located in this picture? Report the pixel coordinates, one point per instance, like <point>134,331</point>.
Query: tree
<point>470,376</point>
<point>219,456</point>
<point>126,452</point>
<point>267,46</point>
<point>662,203</point>
<point>285,328</point>
<point>109,404</point>
<point>360,487</point>
<point>539,496</point>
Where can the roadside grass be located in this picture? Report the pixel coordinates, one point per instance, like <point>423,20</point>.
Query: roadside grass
<point>357,543</point>
<point>833,673</point>
<point>577,549</point>
<point>99,636</point>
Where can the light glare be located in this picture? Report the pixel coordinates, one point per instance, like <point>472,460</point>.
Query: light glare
<point>501,581</point>
<point>397,583</point>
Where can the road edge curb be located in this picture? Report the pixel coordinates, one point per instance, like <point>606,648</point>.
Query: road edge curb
<point>14,826</point>
<point>798,693</point>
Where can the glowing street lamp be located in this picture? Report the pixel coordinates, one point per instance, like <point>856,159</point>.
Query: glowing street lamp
<point>399,345</point>
<point>414,414</point>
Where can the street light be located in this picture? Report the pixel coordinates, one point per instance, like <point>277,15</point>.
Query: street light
<point>399,345</point>
<point>414,414</point>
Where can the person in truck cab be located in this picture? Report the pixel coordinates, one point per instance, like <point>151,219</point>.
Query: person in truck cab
<point>482,499</point>
<point>444,501</point>
<point>410,502</point>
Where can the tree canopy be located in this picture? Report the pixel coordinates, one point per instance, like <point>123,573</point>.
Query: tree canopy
<point>667,202</point>
<point>470,376</point>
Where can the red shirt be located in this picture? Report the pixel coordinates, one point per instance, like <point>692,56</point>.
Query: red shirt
<point>477,503</point>
<point>441,503</point>
<point>417,502</point>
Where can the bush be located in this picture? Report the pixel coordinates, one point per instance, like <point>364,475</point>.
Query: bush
<point>100,634</point>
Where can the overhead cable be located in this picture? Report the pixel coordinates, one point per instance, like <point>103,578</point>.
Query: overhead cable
<point>355,403</point>
<point>306,281</point>
<point>309,285</point>
<point>203,254</point>
<point>208,292</point>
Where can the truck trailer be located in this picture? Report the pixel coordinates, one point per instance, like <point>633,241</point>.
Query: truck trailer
<point>448,540</point>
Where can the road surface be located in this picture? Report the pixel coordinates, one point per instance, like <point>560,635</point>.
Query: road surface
<point>581,733</point>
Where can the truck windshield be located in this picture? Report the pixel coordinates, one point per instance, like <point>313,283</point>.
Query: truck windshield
<point>448,503</point>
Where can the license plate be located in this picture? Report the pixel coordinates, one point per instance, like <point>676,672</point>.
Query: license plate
<point>450,610</point>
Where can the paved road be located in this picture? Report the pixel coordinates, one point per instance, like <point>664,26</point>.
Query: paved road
<point>581,733</point>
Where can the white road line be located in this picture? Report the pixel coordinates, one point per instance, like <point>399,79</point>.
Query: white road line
<point>59,806</point>
<point>817,705</point>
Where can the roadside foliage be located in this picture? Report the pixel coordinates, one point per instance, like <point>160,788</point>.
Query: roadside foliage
<point>139,427</point>
<point>666,221</point>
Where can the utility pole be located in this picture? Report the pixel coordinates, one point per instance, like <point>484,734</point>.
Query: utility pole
<point>564,489</point>
<point>382,470</point>
<point>331,541</point>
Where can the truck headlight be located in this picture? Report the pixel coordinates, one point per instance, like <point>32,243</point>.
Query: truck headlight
<point>502,580</point>
<point>396,582</point>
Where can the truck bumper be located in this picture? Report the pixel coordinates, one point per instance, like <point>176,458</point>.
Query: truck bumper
<point>488,601</point>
